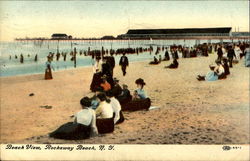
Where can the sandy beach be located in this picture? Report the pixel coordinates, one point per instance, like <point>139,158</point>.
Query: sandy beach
<point>190,112</point>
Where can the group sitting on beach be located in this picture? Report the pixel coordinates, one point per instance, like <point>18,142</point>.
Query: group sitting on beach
<point>220,71</point>
<point>101,112</point>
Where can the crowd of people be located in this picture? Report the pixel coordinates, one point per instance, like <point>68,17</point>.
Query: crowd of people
<point>103,110</point>
<point>225,60</point>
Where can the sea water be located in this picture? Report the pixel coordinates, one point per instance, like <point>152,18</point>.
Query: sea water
<point>13,67</point>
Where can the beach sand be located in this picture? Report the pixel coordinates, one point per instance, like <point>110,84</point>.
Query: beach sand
<point>190,112</point>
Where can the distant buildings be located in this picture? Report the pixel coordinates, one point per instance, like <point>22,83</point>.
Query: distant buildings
<point>241,34</point>
<point>185,33</point>
<point>107,38</point>
<point>176,33</point>
<point>60,37</point>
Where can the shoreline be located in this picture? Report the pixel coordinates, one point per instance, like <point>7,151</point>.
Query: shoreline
<point>68,69</point>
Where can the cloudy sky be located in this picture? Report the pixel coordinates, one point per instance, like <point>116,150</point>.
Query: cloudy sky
<point>99,18</point>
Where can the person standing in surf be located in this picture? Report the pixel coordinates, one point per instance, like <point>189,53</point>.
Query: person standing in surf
<point>48,72</point>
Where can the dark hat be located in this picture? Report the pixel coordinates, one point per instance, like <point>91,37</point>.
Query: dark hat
<point>116,80</point>
<point>102,96</point>
<point>217,61</point>
<point>212,67</point>
<point>140,81</point>
<point>85,101</point>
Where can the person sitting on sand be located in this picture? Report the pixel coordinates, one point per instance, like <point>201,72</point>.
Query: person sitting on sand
<point>125,95</point>
<point>173,65</point>
<point>83,127</point>
<point>105,85</point>
<point>219,70</point>
<point>104,113</point>
<point>210,76</point>
<point>94,100</point>
<point>166,56</point>
<point>118,116</point>
<point>155,61</point>
<point>141,94</point>
<point>117,89</point>
<point>140,100</point>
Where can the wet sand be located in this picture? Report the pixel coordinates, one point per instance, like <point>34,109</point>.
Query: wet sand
<point>191,112</point>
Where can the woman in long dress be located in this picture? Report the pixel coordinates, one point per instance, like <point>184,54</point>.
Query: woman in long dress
<point>104,114</point>
<point>48,72</point>
<point>83,127</point>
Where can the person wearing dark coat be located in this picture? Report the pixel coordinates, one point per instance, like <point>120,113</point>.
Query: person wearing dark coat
<point>21,58</point>
<point>155,61</point>
<point>231,55</point>
<point>166,56</point>
<point>117,89</point>
<point>107,71</point>
<point>219,53</point>
<point>225,65</point>
<point>125,96</point>
<point>106,67</point>
<point>96,81</point>
<point>173,65</point>
<point>35,58</point>
<point>124,63</point>
<point>111,61</point>
<point>176,56</point>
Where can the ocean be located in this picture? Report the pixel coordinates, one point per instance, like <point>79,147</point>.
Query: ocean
<point>13,67</point>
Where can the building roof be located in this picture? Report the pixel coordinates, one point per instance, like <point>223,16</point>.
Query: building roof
<point>180,31</point>
<point>59,35</point>
<point>240,33</point>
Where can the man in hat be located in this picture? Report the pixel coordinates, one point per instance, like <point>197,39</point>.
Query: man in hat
<point>106,68</point>
<point>231,55</point>
<point>117,89</point>
<point>219,53</point>
<point>111,61</point>
<point>125,96</point>
<point>124,63</point>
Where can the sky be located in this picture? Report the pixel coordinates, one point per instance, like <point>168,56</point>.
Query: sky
<point>20,19</point>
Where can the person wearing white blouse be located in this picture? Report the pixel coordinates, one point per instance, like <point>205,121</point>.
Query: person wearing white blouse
<point>83,127</point>
<point>118,116</point>
<point>104,114</point>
